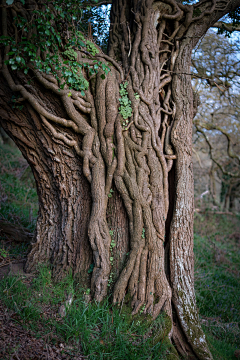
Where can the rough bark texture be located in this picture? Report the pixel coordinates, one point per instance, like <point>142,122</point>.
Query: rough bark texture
<point>115,191</point>
<point>63,191</point>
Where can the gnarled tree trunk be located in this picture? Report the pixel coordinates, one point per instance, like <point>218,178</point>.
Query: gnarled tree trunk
<point>116,190</point>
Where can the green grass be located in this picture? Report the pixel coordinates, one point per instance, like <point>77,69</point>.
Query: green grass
<point>102,329</point>
<point>217,284</point>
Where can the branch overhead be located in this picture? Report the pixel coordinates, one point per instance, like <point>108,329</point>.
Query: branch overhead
<point>225,26</point>
<point>99,3</point>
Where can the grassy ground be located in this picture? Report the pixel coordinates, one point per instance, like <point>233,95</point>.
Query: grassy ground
<point>97,331</point>
<point>103,332</point>
<point>217,270</point>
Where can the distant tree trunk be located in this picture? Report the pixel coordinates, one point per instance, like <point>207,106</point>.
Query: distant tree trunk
<point>115,181</point>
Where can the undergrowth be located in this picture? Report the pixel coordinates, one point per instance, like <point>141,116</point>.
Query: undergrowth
<point>18,195</point>
<point>102,330</point>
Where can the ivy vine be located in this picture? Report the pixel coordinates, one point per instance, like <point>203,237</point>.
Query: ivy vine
<point>112,245</point>
<point>125,108</point>
<point>51,39</point>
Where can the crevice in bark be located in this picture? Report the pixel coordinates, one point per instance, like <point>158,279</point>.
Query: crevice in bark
<point>171,181</point>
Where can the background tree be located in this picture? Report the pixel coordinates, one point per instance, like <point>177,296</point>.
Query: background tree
<point>217,123</point>
<point>109,141</point>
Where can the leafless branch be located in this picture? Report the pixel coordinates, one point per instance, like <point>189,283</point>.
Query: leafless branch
<point>211,155</point>
<point>106,2</point>
<point>225,26</point>
<point>208,126</point>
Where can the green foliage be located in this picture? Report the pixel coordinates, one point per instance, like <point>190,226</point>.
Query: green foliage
<point>70,54</point>
<point>113,244</point>
<point>110,280</point>
<point>111,232</point>
<point>13,251</point>
<point>49,40</point>
<point>90,270</point>
<point>143,233</point>
<point>143,308</point>
<point>111,193</point>
<point>3,252</point>
<point>125,108</point>
<point>91,48</point>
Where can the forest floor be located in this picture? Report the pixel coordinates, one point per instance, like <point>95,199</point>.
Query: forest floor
<point>32,321</point>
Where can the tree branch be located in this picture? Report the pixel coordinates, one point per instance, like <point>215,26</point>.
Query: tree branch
<point>106,2</point>
<point>215,127</point>
<point>211,155</point>
<point>224,26</point>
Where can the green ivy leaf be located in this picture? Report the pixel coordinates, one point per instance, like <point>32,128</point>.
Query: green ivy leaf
<point>90,270</point>
<point>81,43</point>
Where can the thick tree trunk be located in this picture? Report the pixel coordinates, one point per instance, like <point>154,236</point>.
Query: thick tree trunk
<point>63,191</point>
<point>181,231</point>
<point>64,194</point>
<point>113,167</point>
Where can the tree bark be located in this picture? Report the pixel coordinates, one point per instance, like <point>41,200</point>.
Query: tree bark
<point>63,191</point>
<point>116,190</point>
